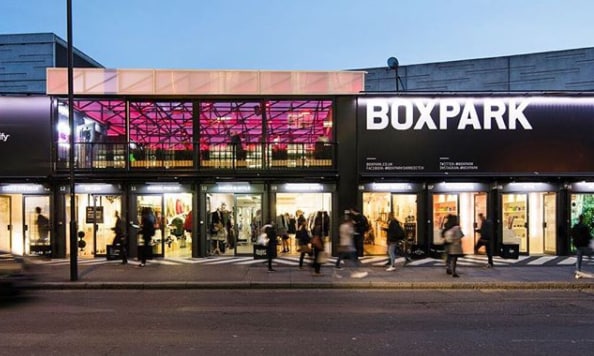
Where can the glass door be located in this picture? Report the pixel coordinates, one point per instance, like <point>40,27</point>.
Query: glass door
<point>95,215</point>
<point>404,207</point>
<point>178,240</point>
<point>480,207</point>
<point>37,236</point>
<point>155,202</point>
<point>443,205</point>
<point>234,222</point>
<point>103,212</point>
<point>550,223</point>
<point>247,220</point>
<point>5,223</point>
<point>582,203</point>
<point>298,206</point>
<point>515,220</point>
<point>376,207</point>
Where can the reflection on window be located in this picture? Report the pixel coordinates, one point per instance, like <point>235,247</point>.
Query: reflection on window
<point>296,133</point>
<point>161,134</point>
<point>231,134</point>
<point>99,133</point>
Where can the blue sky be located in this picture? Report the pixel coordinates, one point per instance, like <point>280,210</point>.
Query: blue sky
<point>303,34</point>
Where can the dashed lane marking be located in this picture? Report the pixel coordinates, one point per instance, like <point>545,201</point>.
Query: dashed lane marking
<point>542,260</point>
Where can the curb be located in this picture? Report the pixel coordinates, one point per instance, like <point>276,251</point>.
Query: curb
<point>308,285</point>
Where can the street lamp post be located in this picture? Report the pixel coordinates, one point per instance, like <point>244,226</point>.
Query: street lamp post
<point>393,64</point>
<point>73,240</point>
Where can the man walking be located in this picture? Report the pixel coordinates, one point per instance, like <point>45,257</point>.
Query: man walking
<point>581,236</point>
<point>486,239</point>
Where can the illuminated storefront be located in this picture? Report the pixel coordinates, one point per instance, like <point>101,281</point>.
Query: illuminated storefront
<point>245,150</point>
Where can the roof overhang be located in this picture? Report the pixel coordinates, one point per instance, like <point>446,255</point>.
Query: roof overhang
<point>163,82</point>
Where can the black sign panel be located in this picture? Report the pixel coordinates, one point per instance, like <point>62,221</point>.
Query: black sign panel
<point>94,215</point>
<point>475,135</point>
<point>25,136</point>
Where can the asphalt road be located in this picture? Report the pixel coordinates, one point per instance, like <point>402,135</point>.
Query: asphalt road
<point>298,322</point>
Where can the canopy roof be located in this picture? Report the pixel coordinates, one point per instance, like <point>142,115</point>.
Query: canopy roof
<point>161,82</point>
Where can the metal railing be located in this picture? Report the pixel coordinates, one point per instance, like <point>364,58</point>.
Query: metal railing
<point>268,156</point>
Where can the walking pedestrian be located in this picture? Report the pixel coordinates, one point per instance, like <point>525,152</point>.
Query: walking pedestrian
<point>147,229</point>
<point>361,226</point>
<point>270,232</point>
<point>346,248</point>
<point>580,233</point>
<point>453,236</point>
<point>317,244</point>
<point>486,239</point>
<point>395,236</point>
<point>120,238</point>
<point>303,240</point>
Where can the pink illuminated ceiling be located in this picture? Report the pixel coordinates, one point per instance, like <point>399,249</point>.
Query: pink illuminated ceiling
<point>169,125</point>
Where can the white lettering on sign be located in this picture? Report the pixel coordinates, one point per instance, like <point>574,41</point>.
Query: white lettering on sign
<point>4,136</point>
<point>495,114</point>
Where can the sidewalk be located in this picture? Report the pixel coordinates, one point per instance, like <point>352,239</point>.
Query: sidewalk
<point>162,274</point>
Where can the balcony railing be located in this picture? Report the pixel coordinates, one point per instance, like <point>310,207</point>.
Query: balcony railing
<point>268,156</point>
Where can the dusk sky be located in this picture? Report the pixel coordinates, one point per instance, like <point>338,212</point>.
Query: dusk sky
<point>304,34</point>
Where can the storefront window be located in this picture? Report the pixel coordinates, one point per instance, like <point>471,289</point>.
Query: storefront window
<point>582,204</point>
<point>234,222</point>
<point>231,134</point>
<point>161,134</point>
<point>291,208</point>
<point>99,134</point>
<point>296,134</point>
<point>300,133</point>
<point>443,205</point>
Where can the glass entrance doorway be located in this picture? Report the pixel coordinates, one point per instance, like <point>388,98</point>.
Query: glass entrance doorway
<point>292,207</point>
<point>467,206</point>
<point>582,203</point>
<point>6,223</point>
<point>376,207</point>
<point>234,222</point>
<point>25,220</point>
<point>95,218</point>
<point>529,219</point>
<point>37,237</point>
<point>172,213</point>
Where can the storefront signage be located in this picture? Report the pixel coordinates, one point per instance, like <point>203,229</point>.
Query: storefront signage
<point>529,187</point>
<point>432,114</point>
<point>25,136</point>
<point>160,188</point>
<point>470,136</point>
<point>303,187</point>
<point>23,189</point>
<point>582,187</point>
<point>94,215</point>
<point>233,188</point>
<point>458,187</point>
<point>96,188</point>
<point>391,187</point>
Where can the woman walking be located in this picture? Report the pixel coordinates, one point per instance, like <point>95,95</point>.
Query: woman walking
<point>453,237</point>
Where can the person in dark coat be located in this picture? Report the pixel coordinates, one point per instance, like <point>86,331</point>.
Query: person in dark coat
<point>453,236</point>
<point>303,239</point>
<point>580,233</point>
<point>395,236</point>
<point>361,225</point>
<point>120,238</point>
<point>486,239</point>
<point>147,229</point>
<point>317,244</point>
<point>270,232</point>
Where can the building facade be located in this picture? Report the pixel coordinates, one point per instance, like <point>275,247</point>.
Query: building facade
<point>25,57</point>
<point>217,154</point>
